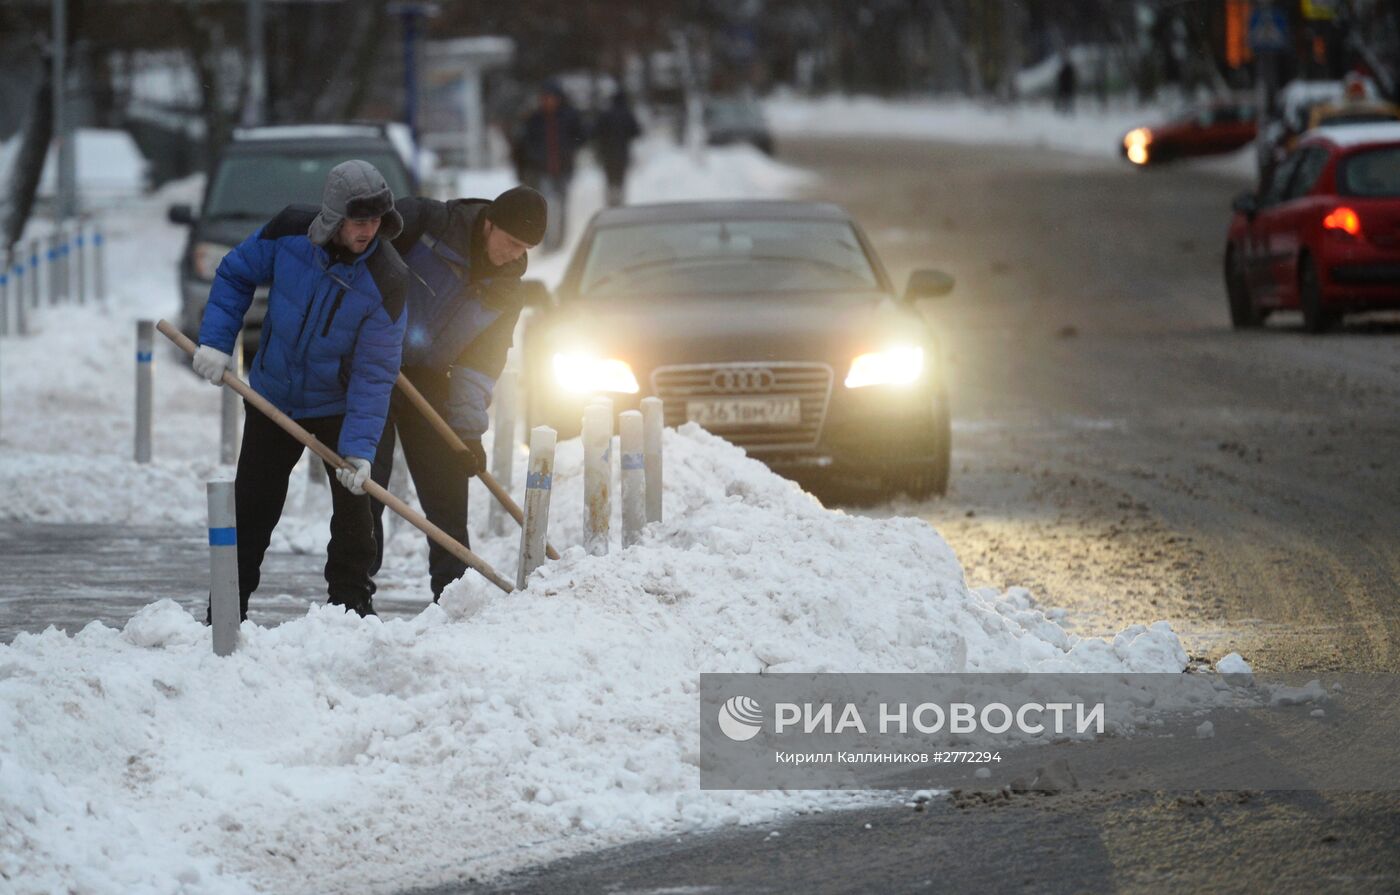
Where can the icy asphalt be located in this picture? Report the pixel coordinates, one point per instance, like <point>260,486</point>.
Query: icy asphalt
<point>1124,453</point>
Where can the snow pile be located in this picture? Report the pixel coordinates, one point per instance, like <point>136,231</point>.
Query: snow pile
<point>335,754</point>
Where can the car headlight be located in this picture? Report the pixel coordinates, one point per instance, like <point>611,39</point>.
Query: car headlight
<point>207,256</point>
<point>893,366</point>
<point>586,374</point>
<point>1135,144</point>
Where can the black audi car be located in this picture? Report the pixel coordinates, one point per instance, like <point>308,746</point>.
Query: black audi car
<point>259,172</point>
<point>772,324</point>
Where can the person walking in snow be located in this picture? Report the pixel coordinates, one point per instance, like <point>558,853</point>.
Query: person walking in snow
<point>614,132</point>
<point>465,257</point>
<point>549,139</point>
<point>328,358</point>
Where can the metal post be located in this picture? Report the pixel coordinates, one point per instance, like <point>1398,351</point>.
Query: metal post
<point>21,303</point>
<point>66,199</point>
<point>99,265</point>
<point>224,602</point>
<point>5,297</point>
<point>634,479</point>
<point>145,350</point>
<point>597,478</point>
<point>539,482</point>
<point>253,111</point>
<point>228,407</point>
<point>35,257</point>
<point>503,445</point>
<point>80,262</point>
<point>51,267</point>
<point>653,422</point>
<point>65,262</point>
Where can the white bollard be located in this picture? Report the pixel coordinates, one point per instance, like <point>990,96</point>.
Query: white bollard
<point>21,303</point>
<point>539,482</point>
<point>145,379</point>
<point>653,423</point>
<point>80,260</point>
<point>503,444</point>
<point>634,477</point>
<point>51,268</point>
<point>99,264</point>
<point>229,416</point>
<point>65,261</point>
<point>5,292</point>
<point>36,260</point>
<point>597,478</point>
<point>223,567</point>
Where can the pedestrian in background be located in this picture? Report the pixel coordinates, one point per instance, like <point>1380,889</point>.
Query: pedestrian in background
<point>613,134</point>
<point>549,139</point>
<point>465,257</point>
<point>328,358</point>
<point>1066,83</point>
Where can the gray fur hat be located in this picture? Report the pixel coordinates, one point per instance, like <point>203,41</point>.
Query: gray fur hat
<point>356,190</point>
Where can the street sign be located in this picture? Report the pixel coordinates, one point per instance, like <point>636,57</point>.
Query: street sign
<point>1268,30</point>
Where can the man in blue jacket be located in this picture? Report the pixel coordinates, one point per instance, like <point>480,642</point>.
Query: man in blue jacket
<point>328,358</point>
<point>465,260</point>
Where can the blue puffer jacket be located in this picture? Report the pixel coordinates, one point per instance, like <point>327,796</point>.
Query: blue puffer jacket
<point>461,310</point>
<point>333,335</point>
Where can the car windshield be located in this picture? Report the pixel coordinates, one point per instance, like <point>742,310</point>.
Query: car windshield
<point>257,185</point>
<point>1375,172</point>
<point>699,258</point>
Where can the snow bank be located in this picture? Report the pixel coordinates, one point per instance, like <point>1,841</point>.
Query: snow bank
<point>332,754</point>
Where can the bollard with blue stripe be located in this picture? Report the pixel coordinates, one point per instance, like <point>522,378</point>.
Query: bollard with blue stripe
<point>597,477</point>
<point>224,603</point>
<point>5,298</point>
<point>51,268</point>
<point>34,260</point>
<point>539,484</point>
<point>653,422</point>
<point>634,477</point>
<point>145,382</point>
<point>21,306</point>
<point>80,262</point>
<point>99,264</point>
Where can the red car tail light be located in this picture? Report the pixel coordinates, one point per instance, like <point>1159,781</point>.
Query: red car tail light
<point>1343,220</point>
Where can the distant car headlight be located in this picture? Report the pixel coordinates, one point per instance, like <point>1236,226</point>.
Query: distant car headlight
<point>1135,145</point>
<point>586,374</point>
<point>893,366</point>
<point>207,256</point>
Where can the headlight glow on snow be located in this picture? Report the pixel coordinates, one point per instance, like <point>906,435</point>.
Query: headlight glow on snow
<point>893,366</point>
<point>585,374</point>
<point>1136,143</point>
<point>207,256</point>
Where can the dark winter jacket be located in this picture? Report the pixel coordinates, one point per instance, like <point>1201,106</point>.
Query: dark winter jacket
<point>333,334</point>
<point>614,132</point>
<point>549,141</point>
<point>462,310</point>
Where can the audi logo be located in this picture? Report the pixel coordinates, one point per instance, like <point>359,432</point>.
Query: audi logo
<point>750,380</point>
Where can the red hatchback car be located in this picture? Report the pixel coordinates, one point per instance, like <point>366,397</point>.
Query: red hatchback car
<point>1323,235</point>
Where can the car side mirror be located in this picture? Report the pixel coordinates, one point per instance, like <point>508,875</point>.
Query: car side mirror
<point>928,284</point>
<point>534,294</point>
<point>1246,203</point>
<point>181,214</point>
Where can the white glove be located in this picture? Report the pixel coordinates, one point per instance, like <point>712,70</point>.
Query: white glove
<point>211,363</point>
<point>354,476</point>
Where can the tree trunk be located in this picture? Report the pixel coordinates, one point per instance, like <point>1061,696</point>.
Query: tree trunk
<point>29,163</point>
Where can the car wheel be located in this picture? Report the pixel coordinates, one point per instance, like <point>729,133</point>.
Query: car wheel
<point>1316,319</point>
<point>1243,314</point>
<point>927,477</point>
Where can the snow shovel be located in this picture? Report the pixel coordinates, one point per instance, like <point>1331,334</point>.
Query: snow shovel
<point>438,423</point>
<point>371,487</point>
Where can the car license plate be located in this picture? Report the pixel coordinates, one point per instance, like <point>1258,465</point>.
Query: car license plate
<point>745,412</point>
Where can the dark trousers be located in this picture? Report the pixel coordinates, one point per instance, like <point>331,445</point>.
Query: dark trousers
<point>260,489</point>
<point>436,469</point>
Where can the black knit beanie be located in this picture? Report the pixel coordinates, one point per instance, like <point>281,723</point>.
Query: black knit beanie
<point>521,212</point>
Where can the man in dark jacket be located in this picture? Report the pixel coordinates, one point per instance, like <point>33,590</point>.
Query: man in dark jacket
<point>614,132</point>
<point>465,261</point>
<point>549,139</point>
<point>328,357</point>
